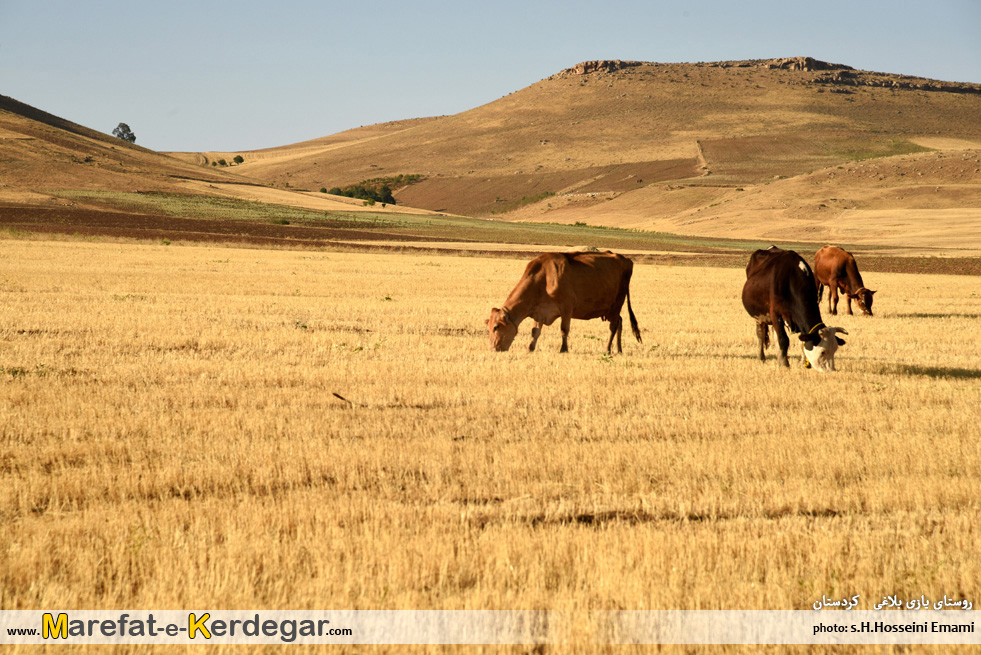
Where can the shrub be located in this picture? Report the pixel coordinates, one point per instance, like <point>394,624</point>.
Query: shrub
<point>239,159</point>
<point>378,189</point>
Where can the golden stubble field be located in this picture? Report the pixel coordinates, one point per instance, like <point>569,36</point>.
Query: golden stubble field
<point>170,439</point>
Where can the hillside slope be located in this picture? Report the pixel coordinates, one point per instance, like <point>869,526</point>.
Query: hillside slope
<point>41,152</point>
<point>48,160</point>
<point>750,148</point>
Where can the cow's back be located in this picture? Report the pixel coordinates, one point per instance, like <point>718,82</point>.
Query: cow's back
<point>833,263</point>
<point>590,283</point>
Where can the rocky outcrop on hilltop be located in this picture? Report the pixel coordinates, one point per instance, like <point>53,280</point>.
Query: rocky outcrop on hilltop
<point>843,79</point>
<point>603,65</point>
<point>839,77</point>
<point>806,64</point>
<point>786,63</point>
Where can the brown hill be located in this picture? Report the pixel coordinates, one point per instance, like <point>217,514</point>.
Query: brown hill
<point>761,148</point>
<point>43,152</point>
<point>768,149</point>
<point>48,160</point>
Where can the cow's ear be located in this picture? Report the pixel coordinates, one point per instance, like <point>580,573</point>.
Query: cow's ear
<point>871,292</point>
<point>841,342</point>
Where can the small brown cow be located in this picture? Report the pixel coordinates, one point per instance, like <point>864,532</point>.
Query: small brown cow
<point>569,285</point>
<point>836,269</point>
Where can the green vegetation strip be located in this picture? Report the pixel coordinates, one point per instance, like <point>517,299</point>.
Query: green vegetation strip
<point>702,251</point>
<point>442,228</point>
<point>216,208</point>
<point>877,148</point>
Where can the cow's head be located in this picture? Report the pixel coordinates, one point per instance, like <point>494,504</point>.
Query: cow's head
<point>820,346</point>
<point>864,299</point>
<point>502,329</point>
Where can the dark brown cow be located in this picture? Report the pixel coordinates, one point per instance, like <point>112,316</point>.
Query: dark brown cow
<point>780,291</point>
<point>568,285</point>
<point>836,269</point>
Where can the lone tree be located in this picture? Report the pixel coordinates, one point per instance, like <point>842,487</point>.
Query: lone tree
<point>123,132</point>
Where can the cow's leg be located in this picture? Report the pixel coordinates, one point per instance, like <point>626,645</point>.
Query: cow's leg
<point>535,333</point>
<point>833,299</point>
<point>762,330</point>
<point>849,299</point>
<point>616,327</point>
<point>783,340</point>
<point>820,291</point>
<point>566,324</point>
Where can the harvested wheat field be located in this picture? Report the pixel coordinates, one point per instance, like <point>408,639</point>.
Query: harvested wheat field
<point>172,437</point>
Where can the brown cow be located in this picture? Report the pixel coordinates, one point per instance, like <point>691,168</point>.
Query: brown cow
<point>836,269</point>
<point>569,285</point>
<point>780,291</point>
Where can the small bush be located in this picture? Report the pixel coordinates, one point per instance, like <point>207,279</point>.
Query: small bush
<point>239,159</point>
<point>378,189</point>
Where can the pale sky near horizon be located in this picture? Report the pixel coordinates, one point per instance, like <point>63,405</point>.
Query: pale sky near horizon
<point>239,75</point>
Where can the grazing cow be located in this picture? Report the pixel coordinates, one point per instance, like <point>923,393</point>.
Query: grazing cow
<point>836,269</point>
<point>780,290</point>
<point>569,285</point>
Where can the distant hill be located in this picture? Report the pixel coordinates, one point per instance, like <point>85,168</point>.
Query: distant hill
<point>774,150</point>
<point>48,160</point>
<point>757,148</point>
<point>41,152</point>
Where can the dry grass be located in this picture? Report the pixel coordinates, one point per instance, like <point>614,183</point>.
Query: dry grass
<point>170,440</point>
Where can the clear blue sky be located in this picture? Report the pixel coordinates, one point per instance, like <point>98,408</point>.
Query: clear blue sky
<point>242,74</point>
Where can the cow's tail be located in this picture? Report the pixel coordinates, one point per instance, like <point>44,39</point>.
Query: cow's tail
<point>633,319</point>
